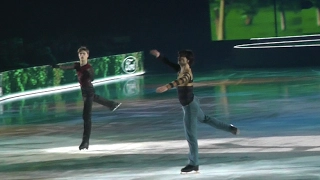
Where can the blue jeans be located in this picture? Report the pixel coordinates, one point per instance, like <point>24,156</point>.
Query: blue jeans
<point>192,113</point>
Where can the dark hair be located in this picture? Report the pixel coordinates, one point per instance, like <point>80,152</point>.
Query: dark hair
<point>83,48</point>
<point>188,54</point>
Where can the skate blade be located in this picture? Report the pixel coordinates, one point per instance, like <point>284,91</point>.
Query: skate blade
<point>116,107</point>
<point>191,172</point>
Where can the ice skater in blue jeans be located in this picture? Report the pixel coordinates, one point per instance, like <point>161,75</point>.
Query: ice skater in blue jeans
<point>190,105</point>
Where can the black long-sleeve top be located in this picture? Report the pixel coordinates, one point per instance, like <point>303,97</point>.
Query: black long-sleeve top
<point>184,82</point>
<point>85,74</point>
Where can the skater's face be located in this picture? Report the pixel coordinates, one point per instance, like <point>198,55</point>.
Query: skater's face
<point>83,56</point>
<point>182,61</point>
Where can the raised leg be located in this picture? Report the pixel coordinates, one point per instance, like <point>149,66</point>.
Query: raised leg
<point>112,105</point>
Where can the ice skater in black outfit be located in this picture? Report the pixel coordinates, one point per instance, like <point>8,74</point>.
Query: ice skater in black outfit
<point>85,77</point>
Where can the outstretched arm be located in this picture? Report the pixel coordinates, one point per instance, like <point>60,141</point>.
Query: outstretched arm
<point>66,67</point>
<point>63,67</point>
<point>165,60</point>
<point>182,80</point>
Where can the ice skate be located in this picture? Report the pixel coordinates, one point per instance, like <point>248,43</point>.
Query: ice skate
<point>190,169</point>
<point>84,145</point>
<point>116,106</point>
<point>234,130</point>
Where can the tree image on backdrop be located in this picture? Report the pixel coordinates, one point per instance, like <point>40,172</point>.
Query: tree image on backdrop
<point>245,19</point>
<point>40,77</point>
<point>316,4</point>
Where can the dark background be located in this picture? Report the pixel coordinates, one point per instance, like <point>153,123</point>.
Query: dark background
<point>41,32</point>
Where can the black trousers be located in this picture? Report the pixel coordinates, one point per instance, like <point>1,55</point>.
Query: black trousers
<point>89,96</point>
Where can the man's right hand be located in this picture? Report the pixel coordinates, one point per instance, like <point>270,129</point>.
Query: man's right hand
<point>155,53</point>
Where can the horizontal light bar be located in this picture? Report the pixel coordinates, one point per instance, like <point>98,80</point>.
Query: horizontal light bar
<point>284,37</point>
<point>269,44</point>
<point>285,46</point>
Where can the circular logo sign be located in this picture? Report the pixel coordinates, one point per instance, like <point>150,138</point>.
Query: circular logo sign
<point>129,64</point>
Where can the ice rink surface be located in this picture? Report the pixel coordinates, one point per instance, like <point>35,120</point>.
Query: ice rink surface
<point>277,111</point>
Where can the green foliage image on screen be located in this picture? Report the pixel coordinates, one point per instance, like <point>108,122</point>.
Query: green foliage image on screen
<point>245,19</point>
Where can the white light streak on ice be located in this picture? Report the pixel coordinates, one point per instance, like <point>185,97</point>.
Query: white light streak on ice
<point>243,145</point>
